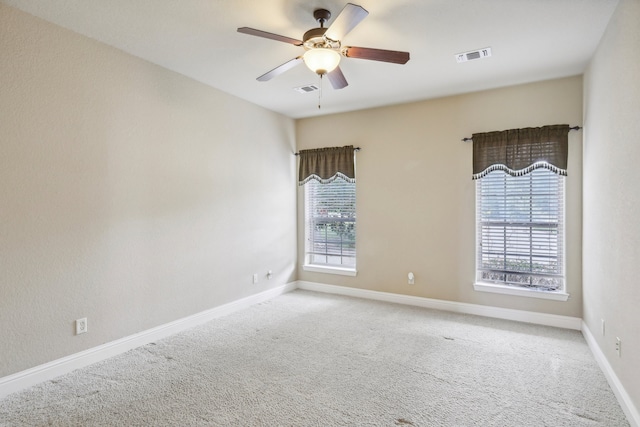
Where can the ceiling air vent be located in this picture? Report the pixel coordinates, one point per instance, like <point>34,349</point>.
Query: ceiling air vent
<point>473,55</point>
<point>306,89</point>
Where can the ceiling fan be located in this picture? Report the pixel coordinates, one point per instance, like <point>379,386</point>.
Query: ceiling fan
<point>323,46</point>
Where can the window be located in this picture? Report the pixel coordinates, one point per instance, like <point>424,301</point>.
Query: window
<point>520,230</point>
<point>329,179</point>
<point>330,217</point>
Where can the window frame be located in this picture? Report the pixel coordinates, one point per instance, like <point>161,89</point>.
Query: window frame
<point>502,287</point>
<point>314,265</point>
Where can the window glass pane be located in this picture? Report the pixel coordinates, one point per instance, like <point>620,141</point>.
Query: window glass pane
<point>520,229</point>
<point>330,214</point>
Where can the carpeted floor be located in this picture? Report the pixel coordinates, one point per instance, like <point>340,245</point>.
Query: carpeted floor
<point>308,359</point>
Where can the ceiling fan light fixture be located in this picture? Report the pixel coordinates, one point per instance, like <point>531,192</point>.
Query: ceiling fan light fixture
<point>321,60</point>
<point>323,47</point>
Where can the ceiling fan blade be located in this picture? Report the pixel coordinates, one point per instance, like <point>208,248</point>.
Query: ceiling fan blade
<point>337,79</point>
<point>266,35</point>
<point>346,21</point>
<point>280,69</point>
<point>395,56</point>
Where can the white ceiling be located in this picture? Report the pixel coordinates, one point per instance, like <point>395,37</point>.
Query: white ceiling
<point>531,40</point>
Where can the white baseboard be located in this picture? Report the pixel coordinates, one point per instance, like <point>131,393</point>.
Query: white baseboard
<point>566,322</point>
<point>48,371</point>
<point>21,380</point>
<point>633,416</point>
<point>625,401</point>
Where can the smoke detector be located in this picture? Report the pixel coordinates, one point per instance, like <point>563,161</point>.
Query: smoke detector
<point>473,55</point>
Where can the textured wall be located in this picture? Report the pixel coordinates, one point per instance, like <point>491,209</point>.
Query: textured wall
<point>129,194</point>
<point>612,196</point>
<point>415,196</point>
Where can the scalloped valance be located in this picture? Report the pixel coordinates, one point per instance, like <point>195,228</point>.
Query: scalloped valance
<point>327,164</point>
<point>519,151</point>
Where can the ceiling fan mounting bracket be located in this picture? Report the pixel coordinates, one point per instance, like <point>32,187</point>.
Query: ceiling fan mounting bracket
<point>322,16</point>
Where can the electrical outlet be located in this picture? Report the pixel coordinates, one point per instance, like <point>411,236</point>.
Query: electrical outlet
<point>81,326</point>
<point>255,278</point>
<point>618,347</point>
<point>602,326</point>
<point>269,274</point>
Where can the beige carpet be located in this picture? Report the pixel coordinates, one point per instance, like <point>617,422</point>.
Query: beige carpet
<point>308,359</point>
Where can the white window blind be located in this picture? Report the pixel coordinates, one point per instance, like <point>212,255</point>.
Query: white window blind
<point>520,226</point>
<point>330,217</point>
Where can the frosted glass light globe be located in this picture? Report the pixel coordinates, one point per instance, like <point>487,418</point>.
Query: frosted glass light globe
<point>321,60</point>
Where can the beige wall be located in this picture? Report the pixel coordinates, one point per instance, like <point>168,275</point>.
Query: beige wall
<point>129,194</point>
<point>612,194</point>
<point>415,196</point>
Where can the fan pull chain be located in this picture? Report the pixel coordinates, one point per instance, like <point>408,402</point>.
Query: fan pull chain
<point>320,92</point>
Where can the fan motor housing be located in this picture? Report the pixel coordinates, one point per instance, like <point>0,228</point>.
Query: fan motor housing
<point>314,37</point>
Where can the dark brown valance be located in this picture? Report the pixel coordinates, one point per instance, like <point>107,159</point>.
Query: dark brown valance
<point>327,164</point>
<point>519,151</point>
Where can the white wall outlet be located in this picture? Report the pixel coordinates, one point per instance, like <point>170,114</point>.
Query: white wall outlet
<point>618,347</point>
<point>255,278</point>
<point>81,326</point>
<point>269,274</point>
<point>602,327</point>
<point>411,279</point>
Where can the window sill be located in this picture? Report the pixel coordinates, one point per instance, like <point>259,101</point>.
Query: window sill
<point>531,293</point>
<point>330,269</point>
